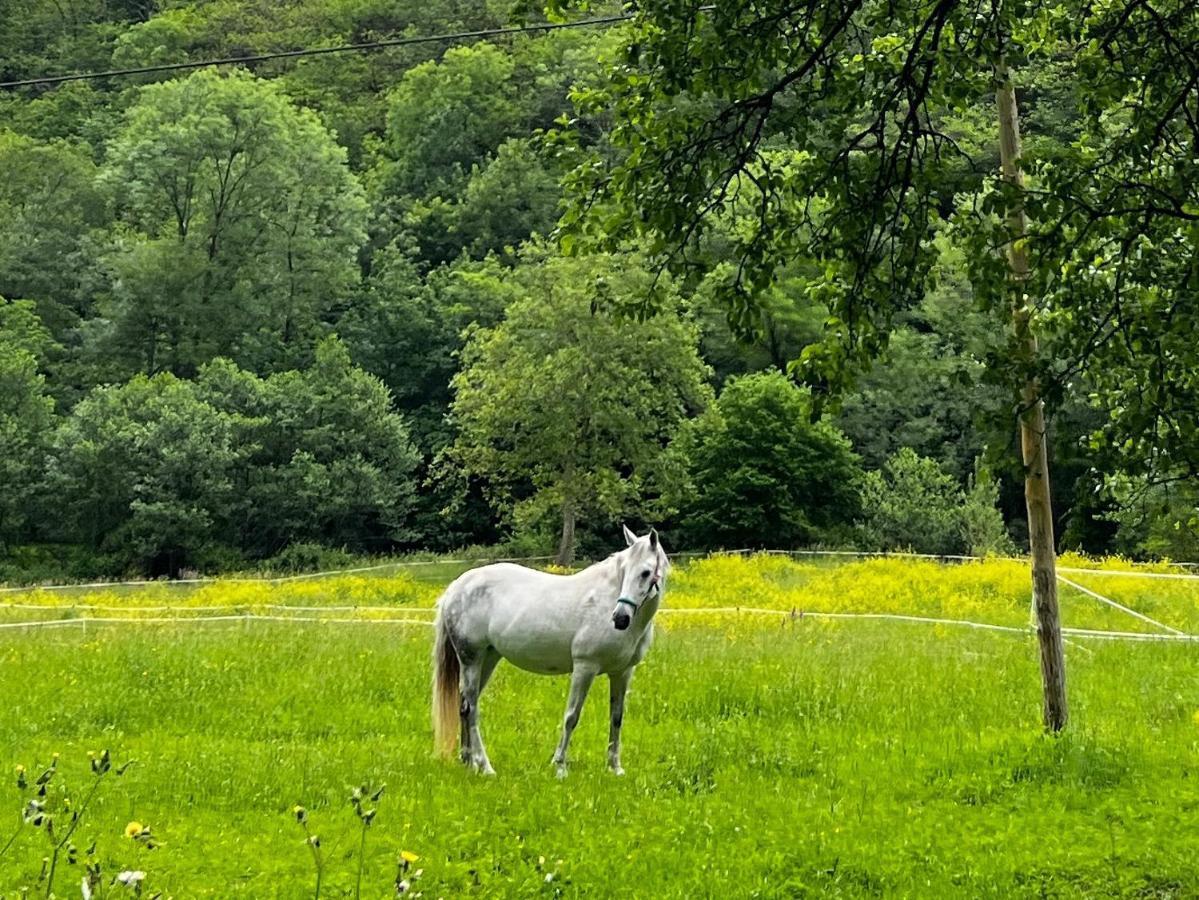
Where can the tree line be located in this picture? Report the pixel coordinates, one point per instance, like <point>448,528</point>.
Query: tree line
<point>316,305</point>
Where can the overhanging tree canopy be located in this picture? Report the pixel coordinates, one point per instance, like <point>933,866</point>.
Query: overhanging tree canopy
<point>828,119</point>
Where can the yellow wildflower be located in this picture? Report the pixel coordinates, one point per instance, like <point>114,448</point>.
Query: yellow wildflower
<point>408,856</point>
<point>133,829</point>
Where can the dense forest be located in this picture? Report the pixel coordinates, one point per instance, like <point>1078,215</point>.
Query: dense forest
<point>305,306</point>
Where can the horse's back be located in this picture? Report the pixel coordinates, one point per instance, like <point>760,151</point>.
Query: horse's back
<point>529,617</point>
<point>500,592</point>
<point>501,580</point>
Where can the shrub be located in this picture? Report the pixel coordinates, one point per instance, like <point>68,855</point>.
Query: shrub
<point>760,473</point>
<point>910,504</point>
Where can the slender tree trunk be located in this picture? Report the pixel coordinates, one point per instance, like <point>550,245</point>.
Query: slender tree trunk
<point>1032,423</point>
<point>566,546</point>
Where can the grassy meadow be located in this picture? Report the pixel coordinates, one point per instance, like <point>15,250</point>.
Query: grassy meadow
<point>771,756</point>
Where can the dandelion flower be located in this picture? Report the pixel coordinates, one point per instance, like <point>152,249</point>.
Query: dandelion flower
<point>133,829</point>
<point>408,856</point>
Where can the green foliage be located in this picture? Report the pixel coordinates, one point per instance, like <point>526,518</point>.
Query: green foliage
<point>160,473</point>
<point>446,115</point>
<point>42,36</point>
<point>241,227</point>
<point>408,331</point>
<point>307,557</point>
<point>397,331</point>
<point>324,456</point>
<point>786,321</point>
<point>983,529</point>
<point>911,504</point>
<point>26,416</point>
<point>21,329</point>
<point>700,104</point>
<point>1158,521</point>
<point>759,473</point>
<point>513,197</point>
<point>144,471</point>
<point>1114,236</point>
<point>926,391</point>
<point>564,412</point>
<point>457,171</point>
<point>48,203</point>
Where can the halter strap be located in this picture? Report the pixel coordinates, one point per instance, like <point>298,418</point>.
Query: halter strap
<point>626,600</point>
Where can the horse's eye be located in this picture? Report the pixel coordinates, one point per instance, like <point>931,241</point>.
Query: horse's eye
<point>645,574</point>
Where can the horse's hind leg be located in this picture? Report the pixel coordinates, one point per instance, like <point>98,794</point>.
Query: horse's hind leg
<point>475,674</point>
<point>580,684</point>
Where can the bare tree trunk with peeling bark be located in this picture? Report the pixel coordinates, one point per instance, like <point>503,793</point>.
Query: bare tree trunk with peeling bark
<point>1032,424</point>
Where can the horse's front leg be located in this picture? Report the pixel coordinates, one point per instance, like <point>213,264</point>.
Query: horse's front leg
<point>580,684</point>
<point>618,684</point>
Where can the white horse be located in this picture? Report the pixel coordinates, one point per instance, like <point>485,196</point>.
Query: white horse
<point>596,622</point>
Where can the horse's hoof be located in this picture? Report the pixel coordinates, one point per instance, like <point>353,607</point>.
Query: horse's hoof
<point>487,770</point>
<point>561,771</point>
<point>617,770</point>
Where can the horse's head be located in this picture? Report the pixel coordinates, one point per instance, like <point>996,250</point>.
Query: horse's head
<point>643,564</point>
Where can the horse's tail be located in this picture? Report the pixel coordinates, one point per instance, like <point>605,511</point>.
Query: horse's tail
<point>447,693</point>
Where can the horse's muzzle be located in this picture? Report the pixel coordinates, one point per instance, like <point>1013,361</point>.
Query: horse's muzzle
<point>621,620</point>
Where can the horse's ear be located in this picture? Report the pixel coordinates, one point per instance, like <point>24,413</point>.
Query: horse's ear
<point>653,538</point>
<point>629,537</point>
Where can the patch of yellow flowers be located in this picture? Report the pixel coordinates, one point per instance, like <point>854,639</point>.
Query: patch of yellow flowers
<point>993,590</point>
<point>996,591</point>
<point>393,589</point>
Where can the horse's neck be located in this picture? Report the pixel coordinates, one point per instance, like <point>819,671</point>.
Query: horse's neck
<point>606,571</point>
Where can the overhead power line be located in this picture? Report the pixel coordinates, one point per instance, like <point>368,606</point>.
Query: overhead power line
<point>321,51</point>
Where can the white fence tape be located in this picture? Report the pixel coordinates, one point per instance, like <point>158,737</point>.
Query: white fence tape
<point>963,623</point>
<point>1122,573</point>
<point>132,608</point>
<point>795,615</point>
<point>176,620</point>
<point>1124,609</point>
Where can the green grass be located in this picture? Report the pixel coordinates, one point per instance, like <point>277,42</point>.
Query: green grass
<point>798,759</point>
